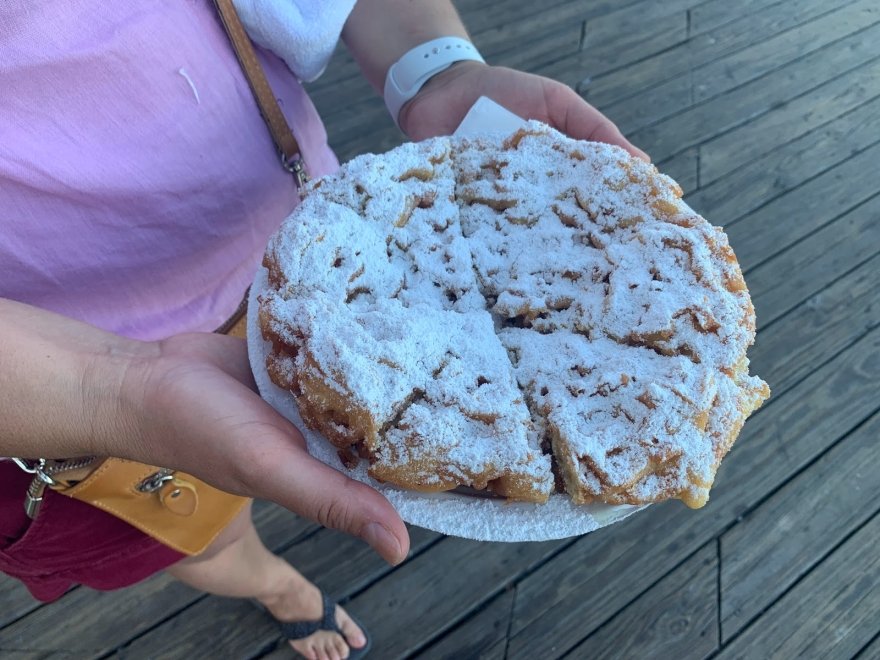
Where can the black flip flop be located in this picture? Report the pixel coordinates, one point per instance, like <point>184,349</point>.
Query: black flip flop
<point>294,630</point>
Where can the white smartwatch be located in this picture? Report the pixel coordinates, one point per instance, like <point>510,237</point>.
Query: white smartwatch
<point>408,74</point>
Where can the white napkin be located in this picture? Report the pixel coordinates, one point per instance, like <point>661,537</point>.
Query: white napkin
<point>301,32</point>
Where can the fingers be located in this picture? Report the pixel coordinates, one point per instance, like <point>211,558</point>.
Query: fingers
<point>577,118</point>
<point>274,464</point>
<point>317,491</point>
<point>606,131</point>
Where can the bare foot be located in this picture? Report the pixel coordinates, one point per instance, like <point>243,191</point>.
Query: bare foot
<point>300,600</point>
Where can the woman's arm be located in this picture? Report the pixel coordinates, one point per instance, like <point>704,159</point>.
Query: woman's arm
<point>189,402</point>
<point>378,32</point>
<point>61,383</point>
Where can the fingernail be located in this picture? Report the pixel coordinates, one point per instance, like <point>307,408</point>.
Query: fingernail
<point>383,541</point>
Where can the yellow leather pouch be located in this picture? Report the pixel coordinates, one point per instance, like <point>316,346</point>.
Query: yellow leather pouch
<point>175,508</point>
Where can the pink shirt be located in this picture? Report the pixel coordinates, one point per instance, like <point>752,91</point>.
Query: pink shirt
<point>138,182</point>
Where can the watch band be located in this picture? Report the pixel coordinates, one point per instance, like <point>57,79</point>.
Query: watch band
<point>408,74</point>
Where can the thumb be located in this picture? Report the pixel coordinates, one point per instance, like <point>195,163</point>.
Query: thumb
<point>287,474</point>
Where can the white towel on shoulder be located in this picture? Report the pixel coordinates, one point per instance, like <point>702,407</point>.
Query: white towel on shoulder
<point>301,32</point>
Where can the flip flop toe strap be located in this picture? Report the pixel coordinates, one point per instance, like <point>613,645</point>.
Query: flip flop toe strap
<point>301,629</point>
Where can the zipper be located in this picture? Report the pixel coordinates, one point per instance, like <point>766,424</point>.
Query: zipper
<point>44,475</point>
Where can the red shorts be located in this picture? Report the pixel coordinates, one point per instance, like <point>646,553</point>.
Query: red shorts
<point>70,543</point>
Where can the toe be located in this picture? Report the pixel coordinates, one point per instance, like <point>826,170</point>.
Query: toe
<point>353,635</point>
<point>306,650</point>
<point>341,647</point>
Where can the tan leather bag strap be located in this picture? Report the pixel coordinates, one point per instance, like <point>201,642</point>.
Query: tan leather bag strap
<point>282,136</point>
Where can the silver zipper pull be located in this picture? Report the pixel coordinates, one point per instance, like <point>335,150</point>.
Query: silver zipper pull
<point>34,497</point>
<point>155,481</point>
<point>43,471</point>
<point>297,168</point>
<point>299,173</point>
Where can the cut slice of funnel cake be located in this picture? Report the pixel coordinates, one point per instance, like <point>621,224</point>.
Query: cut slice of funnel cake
<point>380,332</point>
<point>426,394</point>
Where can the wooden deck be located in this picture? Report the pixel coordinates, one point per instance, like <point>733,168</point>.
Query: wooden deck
<point>768,114</point>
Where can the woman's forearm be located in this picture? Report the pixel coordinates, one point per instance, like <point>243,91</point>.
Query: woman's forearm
<point>378,32</point>
<point>60,383</point>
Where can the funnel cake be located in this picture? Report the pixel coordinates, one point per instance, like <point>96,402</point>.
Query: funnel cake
<point>522,314</point>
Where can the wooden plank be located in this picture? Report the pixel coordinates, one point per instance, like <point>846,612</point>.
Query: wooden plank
<point>732,109</point>
<point>651,105</point>
<point>625,26</point>
<point>720,75</point>
<point>783,539</point>
<point>741,192</point>
<point>833,612</point>
<point>89,623</point>
<point>842,313</point>
<point>448,581</point>
<point>595,63</point>
<point>558,42</point>
<point>707,80</point>
<point>683,168</point>
<point>504,36</point>
<point>710,15</point>
<point>606,569</point>
<point>703,48</point>
<point>815,262</point>
<point>675,618</point>
<point>79,621</point>
<point>761,234</point>
<point>337,563</point>
<point>482,635</point>
<point>15,654</point>
<point>619,49</point>
<point>871,651</point>
<point>15,600</point>
<point>799,116</point>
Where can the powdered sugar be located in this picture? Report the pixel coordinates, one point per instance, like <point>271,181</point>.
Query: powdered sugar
<point>398,280</point>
